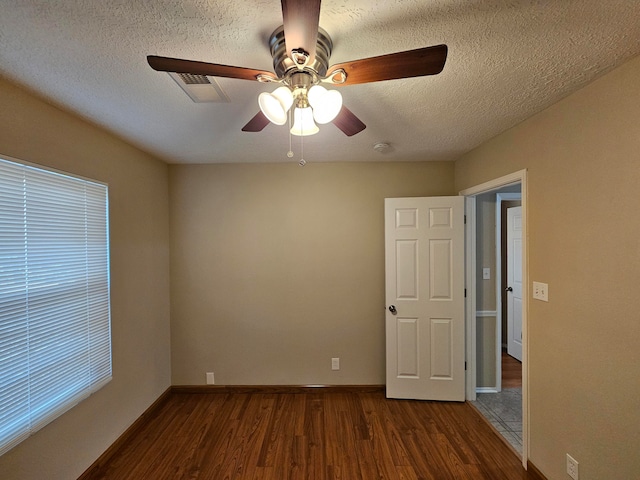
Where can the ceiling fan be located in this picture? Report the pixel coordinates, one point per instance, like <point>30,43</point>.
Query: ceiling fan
<point>300,50</point>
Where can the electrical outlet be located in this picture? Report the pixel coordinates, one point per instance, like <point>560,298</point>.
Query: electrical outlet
<point>572,467</point>
<point>210,378</point>
<point>541,291</point>
<point>335,364</point>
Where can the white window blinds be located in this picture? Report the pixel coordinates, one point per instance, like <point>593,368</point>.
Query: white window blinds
<point>55,341</point>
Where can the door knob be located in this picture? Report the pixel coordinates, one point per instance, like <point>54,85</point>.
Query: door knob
<point>508,289</point>
<point>392,309</point>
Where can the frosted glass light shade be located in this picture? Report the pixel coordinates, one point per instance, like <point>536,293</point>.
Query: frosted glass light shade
<point>285,96</point>
<point>326,103</point>
<point>276,105</point>
<point>315,94</point>
<point>303,124</point>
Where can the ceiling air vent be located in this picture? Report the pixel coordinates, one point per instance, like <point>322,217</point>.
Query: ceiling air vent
<point>200,89</point>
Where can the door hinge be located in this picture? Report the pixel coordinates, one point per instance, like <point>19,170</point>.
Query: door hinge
<point>465,219</point>
<point>465,365</point>
<point>465,293</point>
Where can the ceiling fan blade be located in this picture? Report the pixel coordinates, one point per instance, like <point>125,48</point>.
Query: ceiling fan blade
<point>166,64</point>
<point>301,19</point>
<point>411,63</point>
<point>257,123</point>
<point>348,122</point>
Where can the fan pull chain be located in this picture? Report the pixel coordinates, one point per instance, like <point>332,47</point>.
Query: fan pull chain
<point>302,161</point>
<point>290,152</point>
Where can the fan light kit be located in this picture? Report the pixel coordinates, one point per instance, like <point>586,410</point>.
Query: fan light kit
<point>301,90</point>
<point>315,105</point>
<point>301,50</point>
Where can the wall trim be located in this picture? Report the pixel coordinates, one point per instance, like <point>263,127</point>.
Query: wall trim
<point>271,389</point>
<point>487,390</point>
<point>506,180</point>
<point>135,428</point>
<point>486,313</point>
<point>471,303</point>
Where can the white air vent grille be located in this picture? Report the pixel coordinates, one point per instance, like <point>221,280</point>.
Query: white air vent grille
<point>201,89</point>
<point>191,79</point>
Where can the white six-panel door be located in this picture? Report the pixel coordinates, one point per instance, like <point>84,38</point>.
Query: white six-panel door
<point>424,263</point>
<point>514,282</point>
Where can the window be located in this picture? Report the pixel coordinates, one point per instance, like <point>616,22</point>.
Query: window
<point>55,339</point>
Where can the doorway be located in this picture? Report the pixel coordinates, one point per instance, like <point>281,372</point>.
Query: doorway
<point>485,284</point>
<point>498,315</point>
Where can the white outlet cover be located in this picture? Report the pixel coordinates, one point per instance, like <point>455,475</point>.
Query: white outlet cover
<point>335,364</point>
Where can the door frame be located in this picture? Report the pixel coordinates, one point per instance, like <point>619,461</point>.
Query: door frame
<point>471,304</point>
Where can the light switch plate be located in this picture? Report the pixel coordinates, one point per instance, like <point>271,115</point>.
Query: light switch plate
<point>541,291</point>
<point>486,273</point>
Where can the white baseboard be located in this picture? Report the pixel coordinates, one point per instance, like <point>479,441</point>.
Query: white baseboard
<point>486,390</point>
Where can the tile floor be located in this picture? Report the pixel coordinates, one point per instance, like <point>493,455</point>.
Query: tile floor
<point>504,411</point>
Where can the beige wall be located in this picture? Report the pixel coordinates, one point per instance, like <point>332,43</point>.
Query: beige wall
<point>276,269</point>
<point>138,194</point>
<point>486,351</point>
<point>582,157</point>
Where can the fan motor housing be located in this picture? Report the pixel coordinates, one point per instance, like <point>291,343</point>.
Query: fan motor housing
<point>282,63</point>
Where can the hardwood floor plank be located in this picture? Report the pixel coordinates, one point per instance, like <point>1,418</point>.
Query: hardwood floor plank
<point>179,457</point>
<point>311,435</point>
<point>406,473</point>
<point>254,435</point>
<point>382,444</point>
<point>143,451</point>
<point>511,371</point>
<point>280,432</point>
<point>388,429</point>
<point>314,433</point>
<point>212,447</point>
<point>342,460</point>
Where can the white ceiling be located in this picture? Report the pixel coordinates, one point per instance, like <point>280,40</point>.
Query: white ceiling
<point>508,59</point>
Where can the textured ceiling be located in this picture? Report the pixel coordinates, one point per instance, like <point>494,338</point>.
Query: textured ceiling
<point>507,60</point>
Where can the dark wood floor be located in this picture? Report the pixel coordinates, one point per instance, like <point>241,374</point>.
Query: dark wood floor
<point>511,371</point>
<point>317,435</point>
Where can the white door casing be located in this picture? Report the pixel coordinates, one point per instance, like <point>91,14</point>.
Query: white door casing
<point>515,178</point>
<point>424,264</point>
<point>514,282</point>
